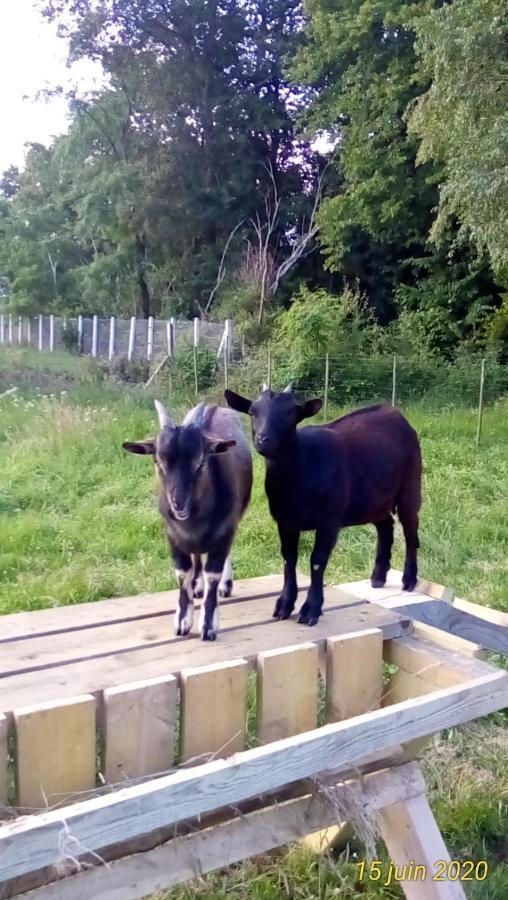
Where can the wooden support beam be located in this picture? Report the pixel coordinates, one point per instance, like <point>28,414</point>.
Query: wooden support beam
<point>354,674</point>
<point>139,727</point>
<point>458,622</point>
<point>55,751</point>
<point>354,680</point>
<point>183,859</point>
<point>32,843</point>
<point>213,710</point>
<point>287,692</point>
<point>412,838</point>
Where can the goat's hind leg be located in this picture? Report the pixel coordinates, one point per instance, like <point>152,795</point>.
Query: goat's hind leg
<point>409,522</point>
<point>383,552</point>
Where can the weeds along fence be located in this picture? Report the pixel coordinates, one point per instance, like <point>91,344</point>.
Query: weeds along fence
<point>109,337</point>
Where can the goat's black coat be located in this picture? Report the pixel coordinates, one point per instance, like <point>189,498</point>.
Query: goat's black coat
<point>359,469</point>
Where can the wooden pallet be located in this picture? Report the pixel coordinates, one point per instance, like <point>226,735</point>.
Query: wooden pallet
<point>111,676</point>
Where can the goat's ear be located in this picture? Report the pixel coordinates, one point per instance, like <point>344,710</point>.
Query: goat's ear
<point>213,446</point>
<point>145,448</point>
<point>236,401</point>
<point>308,409</point>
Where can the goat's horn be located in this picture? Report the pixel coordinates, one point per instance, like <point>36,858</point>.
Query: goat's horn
<point>288,389</point>
<point>165,420</point>
<point>265,386</point>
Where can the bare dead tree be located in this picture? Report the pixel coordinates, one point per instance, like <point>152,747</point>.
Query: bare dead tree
<point>221,274</point>
<point>304,244</point>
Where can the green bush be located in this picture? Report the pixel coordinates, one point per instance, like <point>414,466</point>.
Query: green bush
<point>131,371</point>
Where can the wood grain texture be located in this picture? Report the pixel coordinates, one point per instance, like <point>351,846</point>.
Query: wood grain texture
<point>412,837</point>
<point>55,750</point>
<point>354,678</point>
<point>139,728</point>
<point>32,843</point>
<point>189,857</point>
<point>436,664</point>
<point>171,657</point>
<point>354,674</point>
<point>213,710</point>
<point>3,761</point>
<point>287,692</point>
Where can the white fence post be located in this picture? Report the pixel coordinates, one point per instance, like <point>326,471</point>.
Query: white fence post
<point>132,335</point>
<point>51,333</point>
<point>10,328</point>
<point>168,337</point>
<point>20,330</point>
<point>2,329</point>
<point>29,331</point>
<point>196,331</point>
<point>149,342</point>
<point>111,350</point>
<point>40,332</point>
<point>80,334</point>
<point>172,329</point>
<point>95,329</point>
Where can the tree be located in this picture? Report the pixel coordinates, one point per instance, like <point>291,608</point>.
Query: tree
<point>360,63</point>
<point>462,120</point>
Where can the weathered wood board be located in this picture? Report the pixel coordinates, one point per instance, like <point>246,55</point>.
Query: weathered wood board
<point>56,657</point>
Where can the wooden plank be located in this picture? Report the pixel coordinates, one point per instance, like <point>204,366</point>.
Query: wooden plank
<point>32,843</point>
<point>412,837</point>
<point>36,653</point>
<point>213,710</point>
<point>55,750</point>
<point>354,680</point>
<point>3,762</point>
<point>183,859</point>
<point>139,728</point>
<point>432,663</point>
<point>173,656</point>
<point>122,609</point>
<point>354,674</point>
<point>495,616</point>
<point>448,641</point>
<point>403,686</point>
<point>287,692</point>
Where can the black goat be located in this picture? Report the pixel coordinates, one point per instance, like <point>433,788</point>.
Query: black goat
<point>360,469</point>
<point>204,492</point>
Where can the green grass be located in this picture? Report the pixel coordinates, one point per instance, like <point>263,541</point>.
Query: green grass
<point>78,522</point>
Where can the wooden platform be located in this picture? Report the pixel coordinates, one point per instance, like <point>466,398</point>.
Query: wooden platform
<point>58,653</point>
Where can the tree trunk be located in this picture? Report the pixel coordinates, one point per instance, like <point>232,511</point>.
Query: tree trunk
<point>144,293</point>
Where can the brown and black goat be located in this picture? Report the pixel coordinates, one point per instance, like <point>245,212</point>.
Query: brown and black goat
<point>204,468</point>
<point>360,469</point>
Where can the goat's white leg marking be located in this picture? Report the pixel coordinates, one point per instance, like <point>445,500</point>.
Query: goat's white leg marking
<point>184,619</point>
<point>226,581</point>
<point>211,580</point>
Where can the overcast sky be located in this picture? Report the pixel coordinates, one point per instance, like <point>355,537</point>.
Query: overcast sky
<point>32,57</point>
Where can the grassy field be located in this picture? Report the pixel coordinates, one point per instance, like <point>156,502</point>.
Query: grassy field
<point>78,522</point>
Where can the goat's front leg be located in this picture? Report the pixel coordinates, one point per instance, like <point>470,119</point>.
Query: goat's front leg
<point>323,546</point>
<point>209,616</point>
<point>184,615</point>
<point>289,548</point>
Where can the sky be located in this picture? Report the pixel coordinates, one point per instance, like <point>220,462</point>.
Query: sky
<point>32,57</point>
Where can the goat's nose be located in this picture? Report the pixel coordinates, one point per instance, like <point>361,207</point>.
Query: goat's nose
<point>261,438</point>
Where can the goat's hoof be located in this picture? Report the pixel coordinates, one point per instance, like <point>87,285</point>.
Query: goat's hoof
<point>378,582</point>
<point>208,634</point>
<point>226,588</point>
<point>312,620</point>
<point>303,618</point>
<point>409,584</point>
